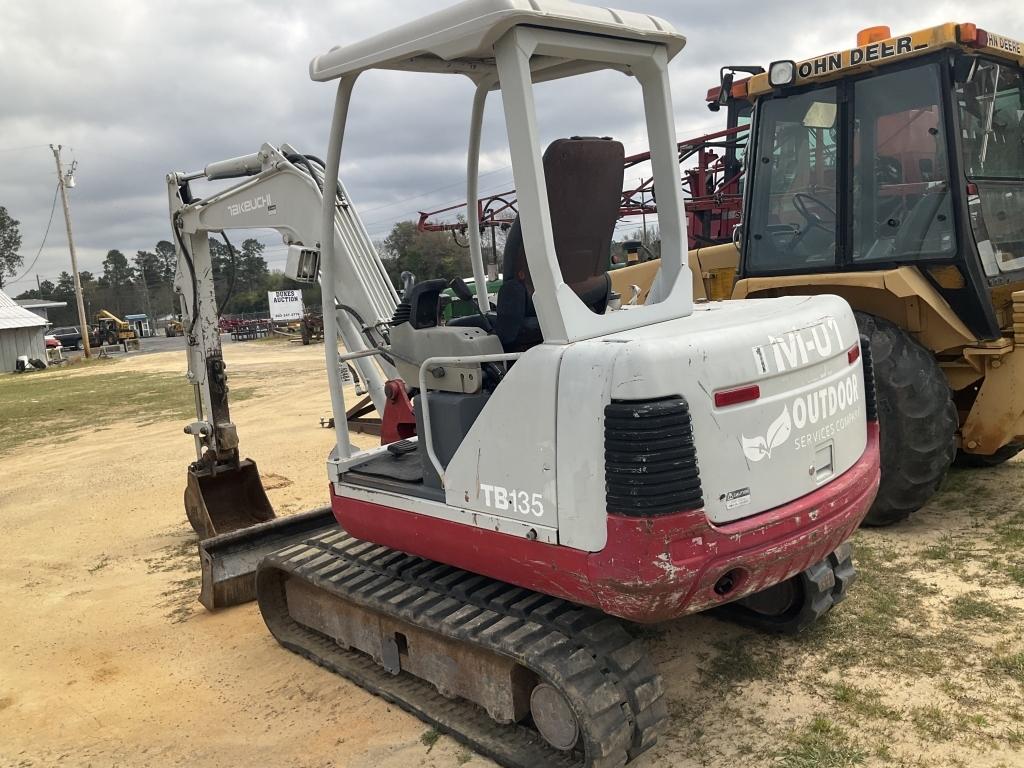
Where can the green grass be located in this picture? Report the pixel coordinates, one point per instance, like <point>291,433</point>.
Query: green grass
<point>885,621</point>
<point>947,550</point>
<point>742,659</point>
<point>861,702</point>
<point>1010,665</point>
<point>56,402</point>
<point>932,723</point>
<point>1009,533</point>
<point>973,606</point>
<point>1014,571</point>
<point>820,744</point>
<point>429,738</point>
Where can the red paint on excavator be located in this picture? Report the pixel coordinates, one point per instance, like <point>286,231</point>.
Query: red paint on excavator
<point>651,569</point>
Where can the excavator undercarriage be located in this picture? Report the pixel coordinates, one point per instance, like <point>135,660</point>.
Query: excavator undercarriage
<point>526,679</point>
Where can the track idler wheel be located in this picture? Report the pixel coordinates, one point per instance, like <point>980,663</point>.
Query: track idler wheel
<point>554,718</point>
<point>797,603</point>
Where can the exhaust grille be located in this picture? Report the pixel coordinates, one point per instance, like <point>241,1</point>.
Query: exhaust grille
<point>870,396</point>
<point>650,458</point>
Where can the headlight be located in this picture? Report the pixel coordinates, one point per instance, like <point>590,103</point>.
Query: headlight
<point>781,73</point>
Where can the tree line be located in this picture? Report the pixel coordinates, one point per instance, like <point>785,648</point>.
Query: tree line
<point>144,284</point>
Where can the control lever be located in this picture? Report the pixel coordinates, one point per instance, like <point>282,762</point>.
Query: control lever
<point>460,289</point>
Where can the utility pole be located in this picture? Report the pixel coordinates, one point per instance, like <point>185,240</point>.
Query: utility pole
<point>83,325</point>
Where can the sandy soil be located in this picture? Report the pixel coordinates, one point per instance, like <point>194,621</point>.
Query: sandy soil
<point>106,658</point>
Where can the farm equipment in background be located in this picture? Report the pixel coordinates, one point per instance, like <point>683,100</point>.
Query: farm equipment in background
<point>110,329</point>
<point>712,179</point>
<point>892,174</point>
<point>311,327</point>
<point>538,476</point>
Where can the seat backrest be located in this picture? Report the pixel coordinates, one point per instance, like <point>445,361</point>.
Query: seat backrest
<point>584,184</point>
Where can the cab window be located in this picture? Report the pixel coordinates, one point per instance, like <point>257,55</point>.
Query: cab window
<point>990,98</point>
<point>794,198</point>
<point>902,203</point>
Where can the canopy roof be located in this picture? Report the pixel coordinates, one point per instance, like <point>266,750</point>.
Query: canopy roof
<point>460,39</point>
<point>13,316</point>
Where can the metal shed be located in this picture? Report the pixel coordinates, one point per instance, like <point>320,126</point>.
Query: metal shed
<point>21,333</point>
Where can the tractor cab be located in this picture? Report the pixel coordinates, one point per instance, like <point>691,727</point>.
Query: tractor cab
<point>903,151</point>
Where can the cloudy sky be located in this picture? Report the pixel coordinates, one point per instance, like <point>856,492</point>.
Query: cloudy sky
<point>134,89</point>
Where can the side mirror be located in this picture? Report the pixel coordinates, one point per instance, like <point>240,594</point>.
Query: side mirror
<point>726,90</point>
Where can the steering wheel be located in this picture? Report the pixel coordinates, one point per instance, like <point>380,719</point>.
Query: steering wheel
<point>802,200</point>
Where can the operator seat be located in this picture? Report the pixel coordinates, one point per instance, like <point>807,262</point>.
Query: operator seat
<point>584,182</point>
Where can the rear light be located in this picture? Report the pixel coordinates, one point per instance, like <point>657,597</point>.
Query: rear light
<point>853,354</point>
<point>739,395</point>
<point>972,188</point>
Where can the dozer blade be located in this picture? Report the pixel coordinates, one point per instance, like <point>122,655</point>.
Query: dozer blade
<point>229,561</point>
<point>226,501</point>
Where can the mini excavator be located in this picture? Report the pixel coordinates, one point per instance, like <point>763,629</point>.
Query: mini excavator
<point>552,468</point>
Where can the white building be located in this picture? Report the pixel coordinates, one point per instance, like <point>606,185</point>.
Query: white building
<point>21,333</point>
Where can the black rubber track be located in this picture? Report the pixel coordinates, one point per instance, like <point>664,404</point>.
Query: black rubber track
<point>917,421</point>
<point>816,591</point>
<point>978,461</point>
<point>601,669</point>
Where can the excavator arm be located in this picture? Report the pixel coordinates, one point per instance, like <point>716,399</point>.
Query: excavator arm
<point>279,189</point>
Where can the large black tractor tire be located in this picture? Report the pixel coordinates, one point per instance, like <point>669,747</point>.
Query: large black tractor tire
<point>795,604</point>
<point>916,417</point>
<point>978,461</point>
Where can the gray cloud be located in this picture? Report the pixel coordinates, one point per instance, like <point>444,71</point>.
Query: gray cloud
<point>136,89</point>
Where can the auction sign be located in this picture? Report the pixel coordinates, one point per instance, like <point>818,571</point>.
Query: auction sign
<point>285,305</point>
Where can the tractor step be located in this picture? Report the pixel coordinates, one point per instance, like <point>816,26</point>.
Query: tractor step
<point>525,679</point>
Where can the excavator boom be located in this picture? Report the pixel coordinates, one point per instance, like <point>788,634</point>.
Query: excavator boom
<point>277,189</point>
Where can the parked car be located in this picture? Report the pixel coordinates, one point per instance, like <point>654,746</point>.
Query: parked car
<point>69,336</point>
<point>51,341</point>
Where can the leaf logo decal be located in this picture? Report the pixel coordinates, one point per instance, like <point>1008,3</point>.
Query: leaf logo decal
<point>757,448</point>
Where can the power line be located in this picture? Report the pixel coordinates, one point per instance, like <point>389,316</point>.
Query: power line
<point>53,207</point>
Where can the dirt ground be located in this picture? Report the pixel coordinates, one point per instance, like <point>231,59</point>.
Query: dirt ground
<point>106,658</point>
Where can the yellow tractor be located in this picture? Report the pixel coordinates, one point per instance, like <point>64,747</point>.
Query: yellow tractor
<point>110,329</point>
<point>892,174</point>
<point>174,328</point>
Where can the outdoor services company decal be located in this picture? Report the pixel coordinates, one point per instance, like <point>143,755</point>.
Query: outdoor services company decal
<point>817,416</point>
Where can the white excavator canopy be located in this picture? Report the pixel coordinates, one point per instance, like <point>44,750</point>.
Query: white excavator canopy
<point>460,39</point>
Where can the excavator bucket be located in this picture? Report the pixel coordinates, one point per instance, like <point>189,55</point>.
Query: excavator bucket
<point>226,501</point>
<point>229,560</point>
<point>237,528</point>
